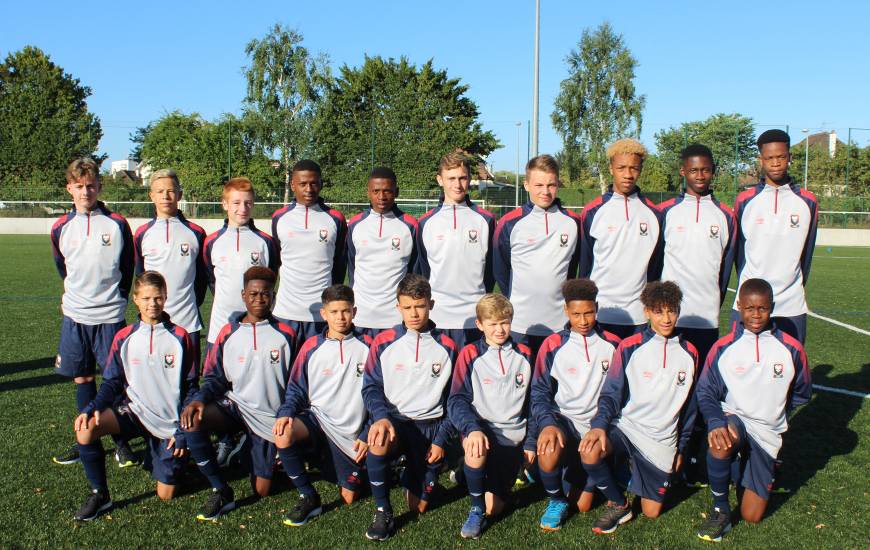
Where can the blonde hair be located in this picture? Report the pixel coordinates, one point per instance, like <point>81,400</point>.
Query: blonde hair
<point>543,163</point>
<point>454,160</point>
<point>626,146</point>
<point>237,184</point>
<point>166,173</point>
<point>495,307</point>
<point>82,168</point>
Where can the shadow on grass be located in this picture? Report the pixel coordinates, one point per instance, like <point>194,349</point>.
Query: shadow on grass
<point>45,365</point>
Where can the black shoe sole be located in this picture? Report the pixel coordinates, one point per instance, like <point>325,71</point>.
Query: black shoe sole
<point>101,510</point>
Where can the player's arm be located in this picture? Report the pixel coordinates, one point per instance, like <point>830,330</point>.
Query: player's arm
<point>585,243</point>
<point>501,260</point>
<point>544,387</point>
<point>114,380</point>
<point>802,387</point>
<point>657,260</point>
<point>488,268</point>
<point>810,242</point>
<point>59,260</point>
<point>296,395</point>
<point>214,380</point>
<point>728,253</point>
<point>207,262</point>
<point>373,386</point>
<point>138,257</point>
<point>339,259</point>
<point>422,264</point>
<point>459,403</point>
<point>200,281</point>
<point>127,265</point>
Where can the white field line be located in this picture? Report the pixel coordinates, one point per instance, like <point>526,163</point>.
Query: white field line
<point>841,391</point>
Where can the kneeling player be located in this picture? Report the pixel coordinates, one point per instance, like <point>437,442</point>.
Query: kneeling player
<point>151,369</point>
<point>569,372</point>
<point>488,404</point>
<point>646,411</point>
<point>244,382</point>
<point>323,412</point>
<point>752,378</point>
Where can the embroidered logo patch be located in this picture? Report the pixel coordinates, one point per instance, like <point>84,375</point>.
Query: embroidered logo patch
<point>644,229</point>
<point>274,355</point>
<point>255,258</point>
<point>777,370</point>
<point>106,238</point>
<point>168,361</point>
<point>714,231</point>
<point>185,249</point>
<point>472,236</point>
<point>681,378</point>
<point>795,221</point>
<point>360,367</point>
<point>395,242</point>
<point>563,240</point>
<point>436,370</point>
<point>605,365</point>
<point>323,234</point>
<point>519,379</point>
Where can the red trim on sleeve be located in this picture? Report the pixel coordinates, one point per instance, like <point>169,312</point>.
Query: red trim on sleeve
<point>515,213</point>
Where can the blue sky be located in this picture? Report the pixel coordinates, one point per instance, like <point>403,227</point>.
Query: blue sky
<point>799,63</point>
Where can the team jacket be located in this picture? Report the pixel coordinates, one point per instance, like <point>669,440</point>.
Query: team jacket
<point>327,379</point>
<point>381,249</point>
<point>455,254</point>
<point>776,233</point>
<point>227,254</point>
<point>250,365</point>
<point>535,252</point>
<point>311,240</point>
<point>407,376</point>
<point>620,251</point>
<point>569,372</point>
<point>173,247</point>
<point>93,253</point>
<point>156,367</point>
<point>758,378</point>
<point>490,392</point>
<point>648,395</point>
<point>700,234</point>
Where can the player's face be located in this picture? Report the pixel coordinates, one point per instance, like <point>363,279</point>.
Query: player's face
<point>150,301</point>
<point>84,192</point>
<point>495,331</point>
<point>542,187</point>
<point>258,296</point>
<point>415,311</point>
<point>165,196</point>
<point>774,158</point>
<point>339,315</point>
<point>306,187</point>
<point>754,311</point>
<point>454,182</point>
<point>625,169</point>
<point>238,205</point>
<point>663,320</point>
<point>581,315</point>
<point>382,194</point>
<point>698,172</point>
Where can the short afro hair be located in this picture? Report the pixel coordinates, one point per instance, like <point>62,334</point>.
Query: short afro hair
<point>626,146</point>
<point>337,293</point>
<point>660,294</point>
<point>755,286</point>
<point>579,289</point>
<point>414,285</point>
<point>260,273</point>
<point>306,165</point>
<point>383,173</point>
<point>773,136</point>
<point>696,150</point>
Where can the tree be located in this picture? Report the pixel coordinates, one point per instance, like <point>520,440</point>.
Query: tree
<point>285,83</point>
<point>393,113</point>
<point>44,121</point>
<point>597,103</point>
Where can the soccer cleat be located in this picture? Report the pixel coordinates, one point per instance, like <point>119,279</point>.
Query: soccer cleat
<point>613,517</point>
<point>554,515</point>
<point>382,526</point>
<point>219,502</point>
<point>125,456</point>
<point>226,452</point>
<point>71,456</point>
<point>96,503</point>
<point>474,524</point>
<point>716,525</point>
<point>307,508</point>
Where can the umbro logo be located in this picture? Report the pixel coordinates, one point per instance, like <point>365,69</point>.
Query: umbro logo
<point>203,463</point>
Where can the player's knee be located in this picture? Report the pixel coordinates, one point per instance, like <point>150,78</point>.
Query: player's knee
<point>591,457</point>
<point>721,454</point>
<point>379,450</point>
<point>752,517</point>
<point>652,511</point>
<point>84,379</point>
<point>348,496</point>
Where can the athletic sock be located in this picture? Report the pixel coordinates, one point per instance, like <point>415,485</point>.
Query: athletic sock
<point>552,482</point>
<point>475,480</point>
<point>295,468</point>
<point>85,393</point>
<point>93,458</point>
<point>719,474</point>
<point>202,452</point>
<point>601,475</point>
<point>378,478</point>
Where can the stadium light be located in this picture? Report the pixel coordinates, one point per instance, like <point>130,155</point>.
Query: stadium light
<point>536,78</point>
<point>806,154</point>
<point>517,175</point>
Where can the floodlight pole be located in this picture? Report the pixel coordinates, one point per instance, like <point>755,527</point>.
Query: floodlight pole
<point>806,154</point>
<point>517,175</point>
<point>537,74</point>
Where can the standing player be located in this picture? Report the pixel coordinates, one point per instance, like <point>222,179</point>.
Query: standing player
<point>244,382</point>
<point>753,377</point>
<point>93,252</point>
<point>621,243</point>
<point>381,249</point>
<point>569,372</point>
<point>455,252</point>
<point>310,237</point>
<point>153,367</point>
<point>405,390</point>
<point>776,234</point>
<point>323,412</point>
<point>535,252</point>
<point>645,413</point>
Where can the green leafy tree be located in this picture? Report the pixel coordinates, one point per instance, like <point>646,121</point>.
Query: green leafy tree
<point>597,103</point>
<point>44,122</point>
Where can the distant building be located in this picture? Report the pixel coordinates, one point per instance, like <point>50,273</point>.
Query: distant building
<point>127,165</point>
<point>823,139</point>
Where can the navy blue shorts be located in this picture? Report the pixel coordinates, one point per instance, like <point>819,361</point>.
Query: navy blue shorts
<point>702,338</point>
<point>262,452</point>
<point>164,467</point>
<point>573,473</point>
<point>83,347</point>
<point>647,481</point>
<point>304,329</point>
<point>415,437</point>
<point>755,466</point>
<point>463,336</point>
<point>335,466</point>
<point>503,463</point>
<point>622,331</point>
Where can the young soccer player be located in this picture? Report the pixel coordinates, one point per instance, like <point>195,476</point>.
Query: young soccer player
<point>311,238</point>
<point>323,412</point>
<point>93,252</point>
<point>753,377</point>
<point>776,235</point>
<point>535,252</point>
<point>455,252</point>
<point>405,392</point>
<point>621,243</point>
<point>569,372</point>
<point>645,412</point>
<point>244,383</point>
<point>489,405</point>
<point>381,249</point>
<point>151,371</point>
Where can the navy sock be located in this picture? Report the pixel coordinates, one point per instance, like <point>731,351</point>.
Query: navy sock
<point>295,469</point>
<point>552,482</point>
<point>85,393</point>
<point>600,474</point>
<point>719,474</point>
<point>475,479</point>
<point>199,445</point>
<point>380,481</point>
<point>93,458</point>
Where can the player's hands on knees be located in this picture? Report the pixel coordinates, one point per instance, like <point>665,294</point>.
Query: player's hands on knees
<point>593,437</point>
<point>475,444</point>
<point>283,425</point>
<point>550,439</point>
<point>80,424</point>
<point>381,433</point>
<point>191,416</point>
<point>360,447</point>
<point>435,454</point>
<point>722,438</point>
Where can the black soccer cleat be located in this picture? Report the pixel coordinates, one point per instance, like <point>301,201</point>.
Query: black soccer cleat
<point>382,526</point>
<point>716,525</point>
<point>96,503</point>
<point>307,508</point>
<point>125,456</point>
<point>70,456</point>
<point>220,501</point>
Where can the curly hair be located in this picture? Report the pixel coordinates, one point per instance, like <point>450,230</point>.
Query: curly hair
<point>659,294</point>
<point>579,289</point>
<point>626,146</point>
